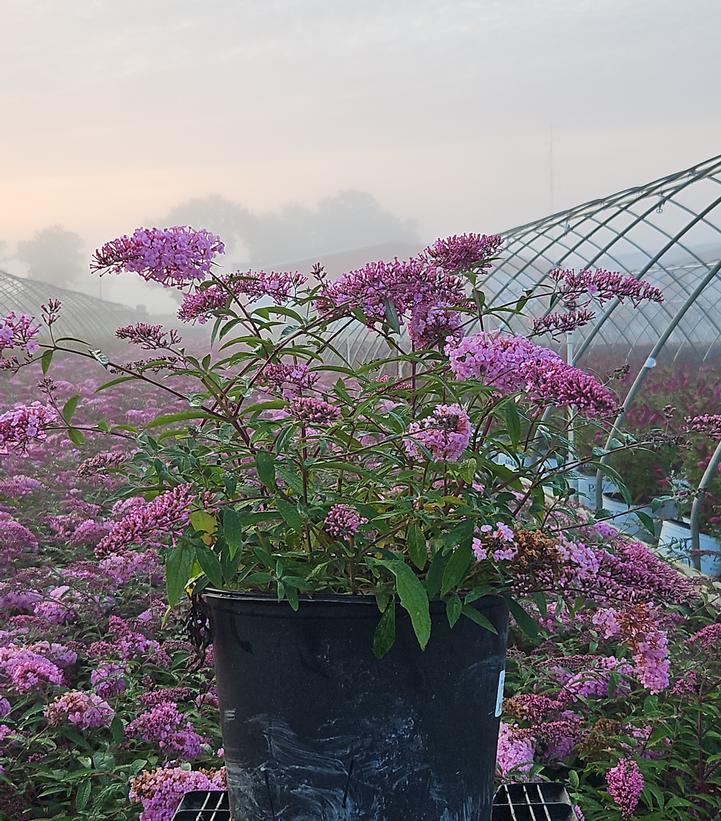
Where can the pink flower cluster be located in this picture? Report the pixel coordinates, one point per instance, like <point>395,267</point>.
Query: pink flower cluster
<point>109,679</point>
<point>200,304</point>
<point>101,462</point>
<point>151,521</point>
<point>709,423</point>
<point>83,710</point>
<point>496,541</point>
<point>708,639</point>
<point>445,434</point>
<point>290,377</point>
<point>464,252</point>
<point>26,670</point>
<point>409,286</point>
<point>313,411</point>
<point>278,285</point>
<point>18,485</point>
<point>343,521</point>
<point>562,323</point>
<point>18,332</point>
<point>167,727</point>
<point>516,748</point>
<point>159,791</point>
<point>513,364</point>
<point>131,564</point>
<point>601,285</point>
<point>171,256</point>
<point>15,539</point>
<point>23,426</point>
<point>625,785</point>
<point>149,337</point>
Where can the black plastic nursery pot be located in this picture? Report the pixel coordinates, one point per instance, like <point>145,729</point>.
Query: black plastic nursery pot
<point>315,727</point>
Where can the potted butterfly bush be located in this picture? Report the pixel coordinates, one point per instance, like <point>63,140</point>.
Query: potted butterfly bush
<point>357,524</point>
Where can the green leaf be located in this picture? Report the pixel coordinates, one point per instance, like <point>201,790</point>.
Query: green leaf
<point>45,361</point>
<point>116,730</point>
<point>82,796</point>
<point>292,478</point>
<point>513,423</point>
<point>232,531</point>
<point>385,632</point>
<point>470,612</point>
<point>462,533</point>
<point>456,568</point>
<point>647,522</point>
<point>210,564</point>
<point>524,621</point>
<point>76,436</point>
<point>413,598</point>
<point>416,543</point>
<point>177,571</point>
<point>435,575</point>
<point>392,315</point>
<point>265,465</point>
<point>114,382</point>
<point>69,407</point>
<point>454,608</point>
<point>203,522</point>
<point>290,514</point>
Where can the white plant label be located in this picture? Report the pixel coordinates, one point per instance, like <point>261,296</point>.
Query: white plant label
<point>499,693</point>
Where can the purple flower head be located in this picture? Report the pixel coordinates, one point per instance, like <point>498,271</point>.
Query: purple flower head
<point>445,434</point>
<point>83,710</point>
<point>602,286</point>
<point>24,425</point>
<point>18,332</point>
<point>464,252</point>
<point>149,337</point>
<point>625,785</point>
<point>343,521</point>
<point>166,726</point>
<point>516,748</point>
<point>109,679</point>
<point>555,324</point>
<point>159,791</point>
<point>412,287</point>
<point>432,326</point>
<point>171,256</point>
<point>151,521</point>
<point>707,423</point>
<point>27,671</point>
<point>313,411</point>
<point>513,364</point>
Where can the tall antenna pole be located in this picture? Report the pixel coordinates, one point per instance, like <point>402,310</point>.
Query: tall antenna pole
<point>551,197</point>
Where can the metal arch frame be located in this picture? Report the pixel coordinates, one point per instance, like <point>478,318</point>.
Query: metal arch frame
<point>644,192</point>
<point>670,244</point>
<point>584,222</point>
<point>82,313</point>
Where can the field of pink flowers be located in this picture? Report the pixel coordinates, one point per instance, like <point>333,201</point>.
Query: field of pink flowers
<point>107,710</point>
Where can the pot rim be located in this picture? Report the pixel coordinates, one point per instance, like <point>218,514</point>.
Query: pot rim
<point>489,600</point>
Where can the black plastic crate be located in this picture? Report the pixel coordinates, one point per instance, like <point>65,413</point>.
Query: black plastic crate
<point>204,805</point>
<point>533,801</point>
<point>513,802</point>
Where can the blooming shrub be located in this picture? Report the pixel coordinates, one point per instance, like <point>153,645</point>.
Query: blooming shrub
<point>426,473</point>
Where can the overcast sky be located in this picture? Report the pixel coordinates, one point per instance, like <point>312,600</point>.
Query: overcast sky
<point>115,111</point>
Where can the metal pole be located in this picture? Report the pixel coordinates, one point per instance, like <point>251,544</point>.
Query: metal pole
<point>648,365</point>
<point>708,475</point>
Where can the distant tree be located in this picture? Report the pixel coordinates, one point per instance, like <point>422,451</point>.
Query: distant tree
<point>344,221</point>
<point>54,255</point>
